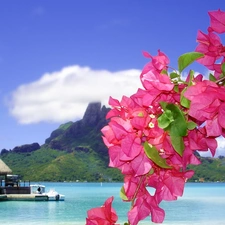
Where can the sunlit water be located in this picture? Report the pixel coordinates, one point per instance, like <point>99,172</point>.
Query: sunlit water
<point>202,203</point>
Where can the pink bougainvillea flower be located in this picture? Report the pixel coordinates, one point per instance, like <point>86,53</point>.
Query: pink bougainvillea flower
<point>144,206</point>
<point>131,147</point>
<point>120,127</point>
<point>169,184</point>
<point>210,44</point>
<point>151,76</point>
<point>159,62</point>
<point>153,79</point>
<point>104,215</point>
<point>189,157</point>
<point>213,128</point>
<point>221,115</point>
<point>145,98</point>
<point>131,184</point>
<point>139,118</point>
<point>175,181</point>
<point>148,117</point>
<point>109,137</point>
<point>138,166</point>
<point>206,98</point>
<point>198,140</point>
<point>217,21</point>
<point>216,67</point>
<point>141,165</point>
<point>120,109</point>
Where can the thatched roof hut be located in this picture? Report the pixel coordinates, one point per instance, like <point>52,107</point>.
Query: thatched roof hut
<point>4,169</point>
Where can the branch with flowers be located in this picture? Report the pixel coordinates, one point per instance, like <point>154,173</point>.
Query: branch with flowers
<point>152,135</point>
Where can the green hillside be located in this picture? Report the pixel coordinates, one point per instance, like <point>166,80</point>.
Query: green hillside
<point>75,151</point>
<point>53,165</point>
<point>47,164</point>
<point>210,170</point>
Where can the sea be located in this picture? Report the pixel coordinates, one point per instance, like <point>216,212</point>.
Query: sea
<point>201,204</point>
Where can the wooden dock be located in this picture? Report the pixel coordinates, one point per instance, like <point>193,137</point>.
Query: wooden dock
<point>23,197</point>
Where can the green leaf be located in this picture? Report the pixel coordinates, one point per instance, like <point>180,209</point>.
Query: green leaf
<point>163,105</point>
<point>222,75</point>
<point>122,194</point>
<point>164,72</point>
<point>191,125</point>
<point>174,75</point>
<point>184,101</point>
<point>151,171</point>
<point>179,126</point>
<point>153,154</point>
<point>178,144</point>
<point>188,58</point>
<point>176,88</point>
<point>173,120</point>
<point>211,77</point>
<point>191,77</point>
<point>165,119</point>
<point>223,68</point>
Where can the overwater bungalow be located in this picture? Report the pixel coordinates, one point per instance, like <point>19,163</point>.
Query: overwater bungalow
<point>4,171</point>
<point>10,184</point>
<point>11,188</point>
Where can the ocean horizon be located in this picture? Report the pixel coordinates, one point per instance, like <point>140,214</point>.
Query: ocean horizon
<point>201,203</point>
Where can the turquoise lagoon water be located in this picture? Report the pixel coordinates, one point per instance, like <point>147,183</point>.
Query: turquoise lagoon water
<point>202,203</point>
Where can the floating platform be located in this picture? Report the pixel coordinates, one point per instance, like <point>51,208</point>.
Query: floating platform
<point>24,197</point>
<point>34,192</point>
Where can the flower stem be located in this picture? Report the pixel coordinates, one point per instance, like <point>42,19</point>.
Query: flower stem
<point>220,80</point>
<point>136,191</point>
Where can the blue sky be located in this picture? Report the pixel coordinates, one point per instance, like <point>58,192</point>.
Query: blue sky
<point>56,56</point>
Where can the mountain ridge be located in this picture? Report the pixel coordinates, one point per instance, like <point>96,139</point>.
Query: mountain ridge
<point>65,136</point>
<point>75,151</point>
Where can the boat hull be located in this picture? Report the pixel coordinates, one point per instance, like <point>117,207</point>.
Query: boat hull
<point>57,197</point>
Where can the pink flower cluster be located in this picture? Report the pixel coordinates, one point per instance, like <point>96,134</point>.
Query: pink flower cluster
<point>210,44</point>
<point>104,215</point>
<point>152,135</point>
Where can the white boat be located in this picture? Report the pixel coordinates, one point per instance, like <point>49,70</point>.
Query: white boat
<point>52,195</point>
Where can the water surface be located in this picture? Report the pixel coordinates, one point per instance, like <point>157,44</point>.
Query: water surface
<point>202,203</point>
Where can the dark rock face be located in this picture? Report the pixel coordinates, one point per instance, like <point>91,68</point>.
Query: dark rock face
<point>53,135</point>
<point>85,132</point>
<point>83,149</point>
<point>92,114</point>
<point>94,118</point>
<point>56,145</point>
<point>27,148</point>
<point>75,136</point>
<point>56,133</point>
<point>4,151</point>
<point>75,130</point>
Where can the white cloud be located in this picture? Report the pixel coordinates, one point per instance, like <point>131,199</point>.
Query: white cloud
<point>221,146</point>
<point>63,95</point>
